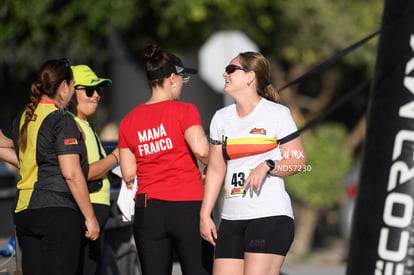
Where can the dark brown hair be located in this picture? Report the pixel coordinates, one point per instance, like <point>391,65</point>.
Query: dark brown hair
<point>260,65</point>
<point>73,105</point>
<point>155,59</point>
<point>49,77</point>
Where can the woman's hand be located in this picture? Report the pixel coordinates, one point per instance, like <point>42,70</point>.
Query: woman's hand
<point>203,176</point>
<point>208,230</point>
<point>92,228</point>
<point>255,178</point>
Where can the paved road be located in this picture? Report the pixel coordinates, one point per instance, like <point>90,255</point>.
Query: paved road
<point>8,267</point>
<point>304,269</point>
<point>314,270</point>
<point>324,262</point>
<point>300,269</point>
<point>327,261</point>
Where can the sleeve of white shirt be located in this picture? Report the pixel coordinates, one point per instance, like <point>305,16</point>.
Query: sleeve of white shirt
<point>214,133</point>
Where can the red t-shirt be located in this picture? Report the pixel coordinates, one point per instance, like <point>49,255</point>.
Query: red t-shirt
<point>166,167</point>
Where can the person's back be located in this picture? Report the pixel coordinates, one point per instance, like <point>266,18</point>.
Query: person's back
<point>166,167</point>
<point>160,142</point>
<point>41,183</point>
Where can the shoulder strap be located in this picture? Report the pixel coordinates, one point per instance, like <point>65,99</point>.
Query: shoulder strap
<point>98,143</point>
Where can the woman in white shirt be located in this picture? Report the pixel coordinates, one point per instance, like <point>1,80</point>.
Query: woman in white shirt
<point>254,143</point>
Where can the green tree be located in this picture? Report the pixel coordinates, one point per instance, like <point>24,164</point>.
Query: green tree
<point>295,32</point>
<point>295,35</point>
<point>33,30</point>
<point>320,187</point>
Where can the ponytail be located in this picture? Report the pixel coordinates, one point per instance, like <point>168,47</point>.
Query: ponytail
<point>270,93</point>
<point>51,74</point>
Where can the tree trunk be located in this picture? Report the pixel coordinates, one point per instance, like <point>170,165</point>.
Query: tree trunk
<point>305,224</point>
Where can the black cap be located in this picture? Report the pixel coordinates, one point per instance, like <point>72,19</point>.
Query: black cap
<point>178,68</point>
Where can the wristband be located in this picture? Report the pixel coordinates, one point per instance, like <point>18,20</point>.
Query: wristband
<point>117,160</point>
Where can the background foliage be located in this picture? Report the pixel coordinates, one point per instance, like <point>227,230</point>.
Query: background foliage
<point>328,159</point>
<point>295,32</point>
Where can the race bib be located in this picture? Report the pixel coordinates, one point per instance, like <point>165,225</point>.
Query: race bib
<point>234,182</point>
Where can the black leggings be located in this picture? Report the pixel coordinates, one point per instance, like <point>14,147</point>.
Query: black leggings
<point>91,251</point>
<point>49,239</point>
<point>165,227</point>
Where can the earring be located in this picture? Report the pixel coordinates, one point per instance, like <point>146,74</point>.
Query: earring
<point>174,85</point>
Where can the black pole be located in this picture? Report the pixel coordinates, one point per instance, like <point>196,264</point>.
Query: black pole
<point>382,238</point>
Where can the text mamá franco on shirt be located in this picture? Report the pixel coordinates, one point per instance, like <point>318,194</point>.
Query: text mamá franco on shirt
<point>153,140</point>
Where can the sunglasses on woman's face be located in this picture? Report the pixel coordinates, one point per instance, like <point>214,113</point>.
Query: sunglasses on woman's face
<point>89,91</point>
<point>232,68</point>
<point>186,78</point>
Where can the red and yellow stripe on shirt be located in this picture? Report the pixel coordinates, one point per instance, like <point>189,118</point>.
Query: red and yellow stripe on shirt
<point>244,147</point>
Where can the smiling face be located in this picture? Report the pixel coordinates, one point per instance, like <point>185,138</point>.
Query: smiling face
<point>236,77</point>
<point>86,105</point>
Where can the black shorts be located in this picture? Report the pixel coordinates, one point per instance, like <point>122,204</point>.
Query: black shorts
<point>271,235</point>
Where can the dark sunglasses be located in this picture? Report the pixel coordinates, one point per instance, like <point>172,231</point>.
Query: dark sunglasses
<point>232,68</point>
<point>89,91</point>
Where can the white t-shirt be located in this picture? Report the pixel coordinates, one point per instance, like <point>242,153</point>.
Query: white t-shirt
<point>247,142</point>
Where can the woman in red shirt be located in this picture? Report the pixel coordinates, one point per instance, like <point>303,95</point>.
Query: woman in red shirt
<point>160,142</point>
